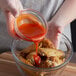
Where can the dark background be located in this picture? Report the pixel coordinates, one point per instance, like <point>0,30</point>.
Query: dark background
<point>73,33</point>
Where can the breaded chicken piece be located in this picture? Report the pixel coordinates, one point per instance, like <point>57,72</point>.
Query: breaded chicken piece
<point>25,61</point>
<point>30,57</point>
<point>45,43</point>
<point>27,50</point>
<point>54,57</point>
<point>51,52</point>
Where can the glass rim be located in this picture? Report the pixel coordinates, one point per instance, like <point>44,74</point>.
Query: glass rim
<point>46,69</point>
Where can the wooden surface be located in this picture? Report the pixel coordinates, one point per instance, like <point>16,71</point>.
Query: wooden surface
<point>8,66</point>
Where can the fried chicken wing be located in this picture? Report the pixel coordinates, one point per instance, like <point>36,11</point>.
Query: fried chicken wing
<point>50,56</point>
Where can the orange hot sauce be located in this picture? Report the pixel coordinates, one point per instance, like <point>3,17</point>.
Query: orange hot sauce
<point>32,30</point>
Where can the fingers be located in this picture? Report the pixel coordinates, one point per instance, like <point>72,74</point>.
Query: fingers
<point>13,6</point>
<point>10,24</point>
<point>54,34</point>
<point>11,9</point>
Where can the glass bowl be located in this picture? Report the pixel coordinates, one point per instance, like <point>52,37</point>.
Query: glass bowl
<point>27,70</point>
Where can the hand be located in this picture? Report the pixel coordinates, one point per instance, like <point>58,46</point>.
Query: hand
<point>54,32</point>
<point>11,9</point>
<point>12,6</point>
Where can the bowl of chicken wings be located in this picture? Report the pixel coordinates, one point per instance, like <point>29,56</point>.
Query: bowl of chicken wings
<point>52,60</point>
